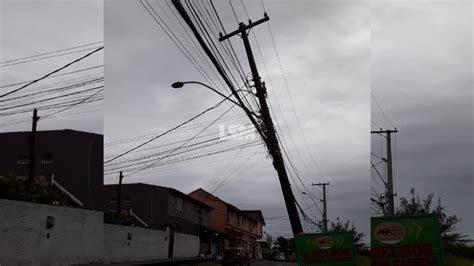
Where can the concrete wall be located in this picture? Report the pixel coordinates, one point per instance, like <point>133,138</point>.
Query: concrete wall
<point>144,244</point>
<point>185,245</point>
<point>78,236</point>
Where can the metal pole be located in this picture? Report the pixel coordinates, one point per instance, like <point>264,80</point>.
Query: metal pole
<point>31,169</point>
<point>119,194</point>
<point>325,210</point>
<point>390,195</point>
<point>273,145</point>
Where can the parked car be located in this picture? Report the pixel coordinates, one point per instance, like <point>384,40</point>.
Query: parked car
<point>235,256</point>
<point>280,256</point>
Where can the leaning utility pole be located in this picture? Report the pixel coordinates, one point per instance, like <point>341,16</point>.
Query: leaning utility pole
<point>31,169</point>
<point>389,187</point>
<point>325,209</point>
<point>268,128</point>
<point>119,194</point>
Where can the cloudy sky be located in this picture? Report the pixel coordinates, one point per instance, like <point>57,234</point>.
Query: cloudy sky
<point>415,57</point>
<point>30,28</point>
<point>421,75</point>
<point>325,54</point>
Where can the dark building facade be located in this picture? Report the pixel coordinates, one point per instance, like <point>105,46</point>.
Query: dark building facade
<point>160,207</point>
<point>74,158</point>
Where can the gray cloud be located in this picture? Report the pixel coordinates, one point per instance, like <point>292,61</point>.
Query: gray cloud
<point>33,27</point>
<point>422,76</point>
<point>324,49</point>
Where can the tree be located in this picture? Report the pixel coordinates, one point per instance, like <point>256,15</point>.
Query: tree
<point>414,205</point>
<point>269,240</point>
<point>347,226</point>
<point>284,245</point>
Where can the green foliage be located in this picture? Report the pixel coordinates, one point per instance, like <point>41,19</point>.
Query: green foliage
<point>347,226</point>
<point>461,249</point>
<point>414,205</point>
<point>458,261</point>
<point>16,188</point>
<point>111,217</point>
<point>281,244</point>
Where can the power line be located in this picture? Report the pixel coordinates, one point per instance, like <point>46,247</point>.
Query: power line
<point>383,113</point>
<point>166,132</point>
<point>46,91</point>
<point>184,128</point>
<point>291,101</point>
<point>170,33</point>
<point>47,57</point>
<point>54,71</point>
<point>53,76</point>
<point>190,139</point>
<point>51,98</point>
<point>61,50</point>
<point>233,174</point>
<point>75,104</point>
<point>210,142</point>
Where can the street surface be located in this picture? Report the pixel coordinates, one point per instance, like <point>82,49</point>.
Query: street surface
<point>273,263</point>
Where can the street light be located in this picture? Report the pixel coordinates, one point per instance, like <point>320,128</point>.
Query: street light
<point>180,84</point>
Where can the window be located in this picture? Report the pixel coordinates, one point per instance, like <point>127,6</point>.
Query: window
<point>23,159</point>
<point>172,200</point>
<point>190,208</point>
<point>47,159</point>
<point>179,204</point>
<point>113,200</point>
<point>127,200</point>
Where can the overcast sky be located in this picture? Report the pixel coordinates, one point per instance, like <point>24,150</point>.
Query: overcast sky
<point>30,28</point>
<point>421,74</point>
<point>416,58</point>
<point>324,50</point>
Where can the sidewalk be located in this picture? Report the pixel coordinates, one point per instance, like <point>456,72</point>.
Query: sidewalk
<point>175,261</point>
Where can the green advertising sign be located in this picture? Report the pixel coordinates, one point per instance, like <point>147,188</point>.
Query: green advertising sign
<point>326,249</point>
<point>406,241</point>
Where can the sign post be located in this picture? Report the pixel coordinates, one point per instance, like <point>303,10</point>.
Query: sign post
<point>406,240</point>
<point>326,249</point>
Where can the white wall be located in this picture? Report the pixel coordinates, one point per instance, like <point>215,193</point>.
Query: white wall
<point>78,236</point>
<point>185,245</point>
<point>145,244</point>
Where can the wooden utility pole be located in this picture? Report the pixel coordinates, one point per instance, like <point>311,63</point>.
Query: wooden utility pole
<point>272,144</point>
<point>325,209</point>
<point>119,194</point>
<point>31,169</point>
<point>389,187</point>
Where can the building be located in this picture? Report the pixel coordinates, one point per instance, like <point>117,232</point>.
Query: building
<point>160,207</point>
<point>231,227</point>
<point>74,159</point>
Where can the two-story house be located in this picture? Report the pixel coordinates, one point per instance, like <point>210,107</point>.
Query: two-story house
<point>160,207</point>
<point>231,227</point>
<point>73,160</point>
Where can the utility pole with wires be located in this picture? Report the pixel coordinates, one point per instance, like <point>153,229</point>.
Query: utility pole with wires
<point>267,124</point>
<point>389,184</point>
<point>325,209</point>
<point>119,194</point>
<point>264,125</point>
<point>31,170</point>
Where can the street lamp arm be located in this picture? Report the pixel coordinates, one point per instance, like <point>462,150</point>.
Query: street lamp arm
<point>180,84</point>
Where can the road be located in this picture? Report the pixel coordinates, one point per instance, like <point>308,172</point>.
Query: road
<point>273,263</point>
